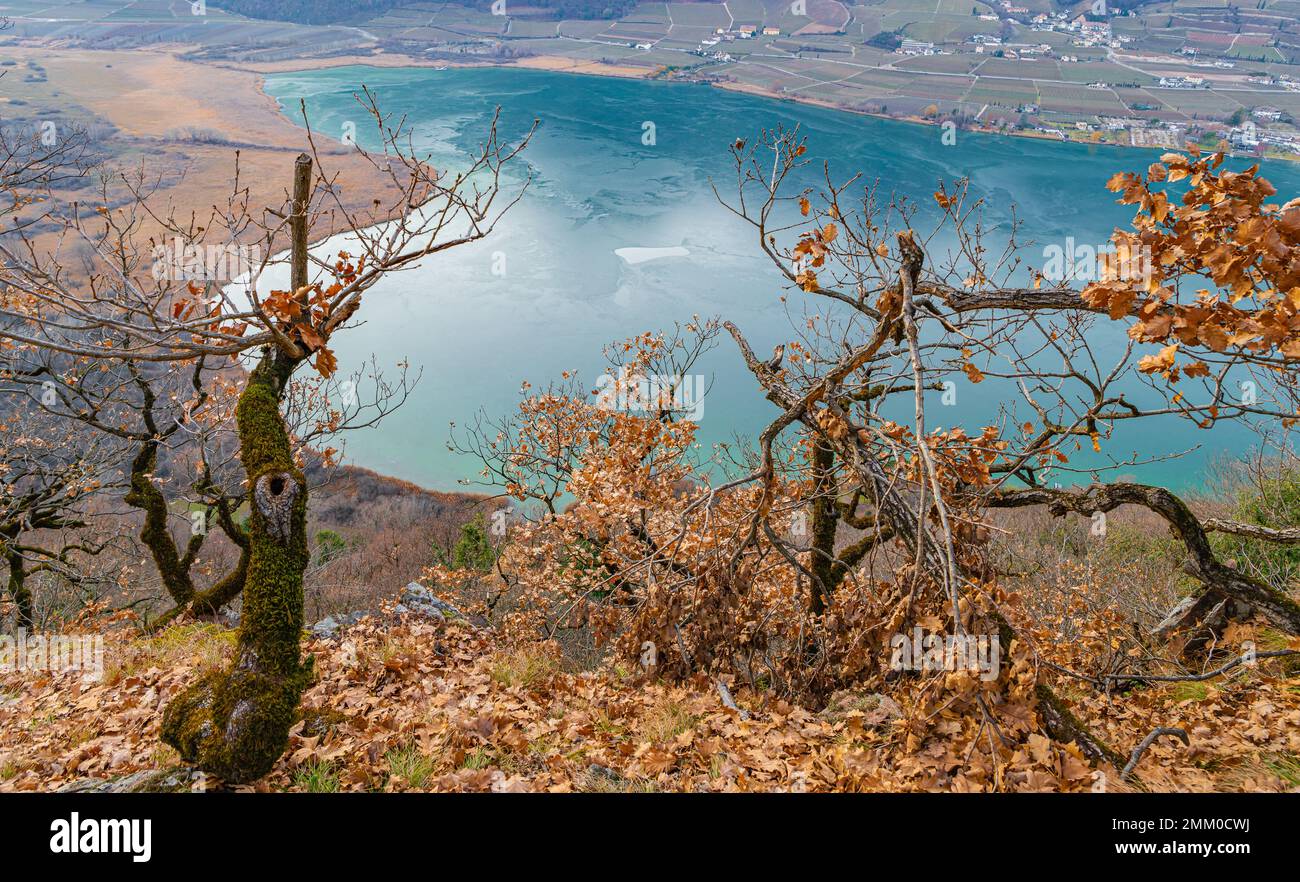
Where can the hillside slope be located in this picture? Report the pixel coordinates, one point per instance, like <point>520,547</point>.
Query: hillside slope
<point>407,702</point>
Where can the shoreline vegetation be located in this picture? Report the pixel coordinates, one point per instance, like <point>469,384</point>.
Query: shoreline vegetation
<point>188,144</point>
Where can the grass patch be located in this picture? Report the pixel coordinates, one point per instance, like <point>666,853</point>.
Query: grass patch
<point>605,725</point>
<point>1191,692</point>
<point>665,720</point>
<point>412,766</point>
<point>317,776</point>
<point>392,655</point>
<point>523,668</point>
<point>602,782</point>
<point>40,720</point>
<point>80,735</point>
<point>1286,766</point>
<point>208,644</point>
<point>478,758</point>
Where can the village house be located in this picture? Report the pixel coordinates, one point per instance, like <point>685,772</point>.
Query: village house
<point>1244,138</point>
<point>1182,83</point>
<point>915,47</point>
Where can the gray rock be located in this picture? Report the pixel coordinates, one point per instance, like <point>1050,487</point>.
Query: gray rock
<point>176,780</point>
<point>877,709</point>
<point>415,600</point>
<point>422,601</point>
<point>1181,616</point>
<point>328,628</point>
<point>599,771</point>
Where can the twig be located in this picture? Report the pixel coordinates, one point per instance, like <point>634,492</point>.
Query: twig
<point>681,647</point>
<point>1245,658</point>
<point>1146,742</point>
<point>730,702</point>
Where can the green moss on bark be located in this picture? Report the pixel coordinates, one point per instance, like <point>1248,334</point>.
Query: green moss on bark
<point>19,593</point>
<point>154,535</point>
<point>235,724</point>
<point>210,602</point>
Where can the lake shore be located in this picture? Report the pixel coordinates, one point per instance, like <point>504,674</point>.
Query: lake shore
<point>234,103</point>
<point>212,136</point>
<point>556,63</point>
<point>563,64</point>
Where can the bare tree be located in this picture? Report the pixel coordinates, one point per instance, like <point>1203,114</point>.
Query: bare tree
<point>131,306</point>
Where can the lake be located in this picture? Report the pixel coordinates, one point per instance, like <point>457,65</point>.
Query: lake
<point>618,236</point>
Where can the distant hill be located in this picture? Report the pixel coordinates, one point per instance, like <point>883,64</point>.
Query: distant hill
<point>356,11</point>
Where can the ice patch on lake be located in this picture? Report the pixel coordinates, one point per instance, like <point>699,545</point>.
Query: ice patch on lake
<point>641,255</point>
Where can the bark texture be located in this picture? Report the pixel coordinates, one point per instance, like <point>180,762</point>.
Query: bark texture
<point>235,724</point>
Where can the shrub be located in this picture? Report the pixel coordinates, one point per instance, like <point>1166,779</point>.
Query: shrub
<point>1269,499</point>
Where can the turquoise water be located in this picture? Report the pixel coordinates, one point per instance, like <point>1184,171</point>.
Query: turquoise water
<point>564,293</point>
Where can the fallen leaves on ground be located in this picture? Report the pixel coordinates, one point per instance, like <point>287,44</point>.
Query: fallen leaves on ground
<point>405,703</point>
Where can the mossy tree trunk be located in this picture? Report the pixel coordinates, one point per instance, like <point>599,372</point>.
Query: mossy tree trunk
<point>235,724</point>
<point>176,564</point>
<point>829,564</point>
<point>173,565</point>
<point>825,526</point>
<point>19,593</point>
